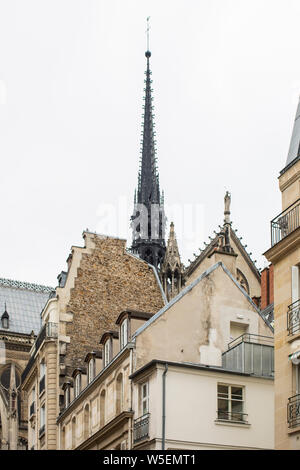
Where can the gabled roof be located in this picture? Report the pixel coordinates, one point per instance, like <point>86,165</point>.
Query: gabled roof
<point>196,262</point>
<point>191,286</point>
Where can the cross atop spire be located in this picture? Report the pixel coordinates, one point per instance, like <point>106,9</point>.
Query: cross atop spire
<point>149,224</point>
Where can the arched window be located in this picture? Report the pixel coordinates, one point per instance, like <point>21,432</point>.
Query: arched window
<point>73,432</point>
<point>86,423</point>
<point>119,393</point>
<point>63,439</point>
<point>102,408</point>
<point>241,278</point>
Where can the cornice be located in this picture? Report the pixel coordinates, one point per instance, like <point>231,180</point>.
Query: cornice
<point>284,247</point>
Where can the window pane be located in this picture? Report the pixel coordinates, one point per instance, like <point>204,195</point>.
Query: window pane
<point>237,393</point>
<point>223,391</point>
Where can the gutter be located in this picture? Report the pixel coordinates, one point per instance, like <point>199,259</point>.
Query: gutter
<point>164,406</point>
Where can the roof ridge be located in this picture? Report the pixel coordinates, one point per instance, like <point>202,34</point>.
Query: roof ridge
<point>25,285</point>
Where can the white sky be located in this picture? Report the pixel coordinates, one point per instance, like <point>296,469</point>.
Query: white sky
<point>226,79</point>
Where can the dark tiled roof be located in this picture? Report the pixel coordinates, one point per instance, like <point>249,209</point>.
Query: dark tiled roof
<point>24,303</point>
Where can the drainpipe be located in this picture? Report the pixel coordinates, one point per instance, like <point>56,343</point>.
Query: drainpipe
<point>164,407</point>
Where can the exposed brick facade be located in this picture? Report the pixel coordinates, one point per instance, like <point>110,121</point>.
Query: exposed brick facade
<point>267,286</point>
<point>108,281</point>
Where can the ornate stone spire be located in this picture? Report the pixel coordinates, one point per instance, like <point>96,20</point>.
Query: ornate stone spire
<point>172,268</point>
<point>148,220</point>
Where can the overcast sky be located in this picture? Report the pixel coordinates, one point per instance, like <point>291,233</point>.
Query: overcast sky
<point>226,80</point>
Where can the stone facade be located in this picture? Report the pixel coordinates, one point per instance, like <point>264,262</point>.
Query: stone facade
<point>103,279</point>
<point>285,258</point>
<point>108,281</point>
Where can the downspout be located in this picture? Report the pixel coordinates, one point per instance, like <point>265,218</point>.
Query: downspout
<point>164,407</point>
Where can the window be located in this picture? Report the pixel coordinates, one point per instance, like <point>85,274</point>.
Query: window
<point>107,352</point>
<point>145,398</point>
<point>77,384</point>
<point>124,333</point>
<point>42,419</point>
<point>32,405</point>
<point>5,321</point>
<point>67,396</point>
<point>231,403</point>
<point>42,369</point>
<point>91,369</point>
<point>42,376</point>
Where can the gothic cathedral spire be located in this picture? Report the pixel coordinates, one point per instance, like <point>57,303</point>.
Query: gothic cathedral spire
<point>148,219</point>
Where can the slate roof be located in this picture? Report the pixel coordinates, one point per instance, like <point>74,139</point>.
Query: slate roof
<point>24,304</point>
<point>295,139</point>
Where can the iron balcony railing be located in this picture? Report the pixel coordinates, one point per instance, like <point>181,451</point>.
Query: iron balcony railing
<point>42,384</point>
<point>285,223</point>
<point>141,428</point>
<point>293,318</point>
<point>293,411</point>
<point>234,416</point>
<point>32,409</point>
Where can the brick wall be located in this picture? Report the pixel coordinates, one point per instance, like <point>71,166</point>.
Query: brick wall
<point>267,286</point>
<point>108,281</point>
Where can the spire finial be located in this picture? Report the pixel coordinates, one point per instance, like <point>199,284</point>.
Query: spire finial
<point>148,35</point>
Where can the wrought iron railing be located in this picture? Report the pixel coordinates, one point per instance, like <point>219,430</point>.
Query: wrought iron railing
<point>234,416</point>
<point>293,411</point>
<point>285,223</point>
<point>32,408</point>
<point>141,428</point>
<point>42,384</point>
<point>293,318</point>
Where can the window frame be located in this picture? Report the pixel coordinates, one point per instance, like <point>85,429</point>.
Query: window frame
<point>124,333</point>
<point>91,369</point>
<point>77,385</point>
<point>231,415</point>
<point>144,399</point>
<point>107,352</point>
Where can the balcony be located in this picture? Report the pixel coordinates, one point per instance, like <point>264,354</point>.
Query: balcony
<point>293,411</point>
<point>141,428</point>
<point>42,385</point>
<point>251,354</point>
<point>293,318</point>
<point>285,223</point>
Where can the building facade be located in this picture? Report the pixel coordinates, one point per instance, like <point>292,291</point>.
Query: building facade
<point>284,255</point>
<point>20,322</point>
<point>102,279</point>
<point>177,379</point>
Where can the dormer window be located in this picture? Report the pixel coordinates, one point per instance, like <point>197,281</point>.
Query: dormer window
<point>107,349</point>
<point>124,333</point>
<point>91,369</point>
<point>5,320</point>
<point>77,388</point>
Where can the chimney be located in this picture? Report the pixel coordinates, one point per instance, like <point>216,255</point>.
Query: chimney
<point>265,291</point>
